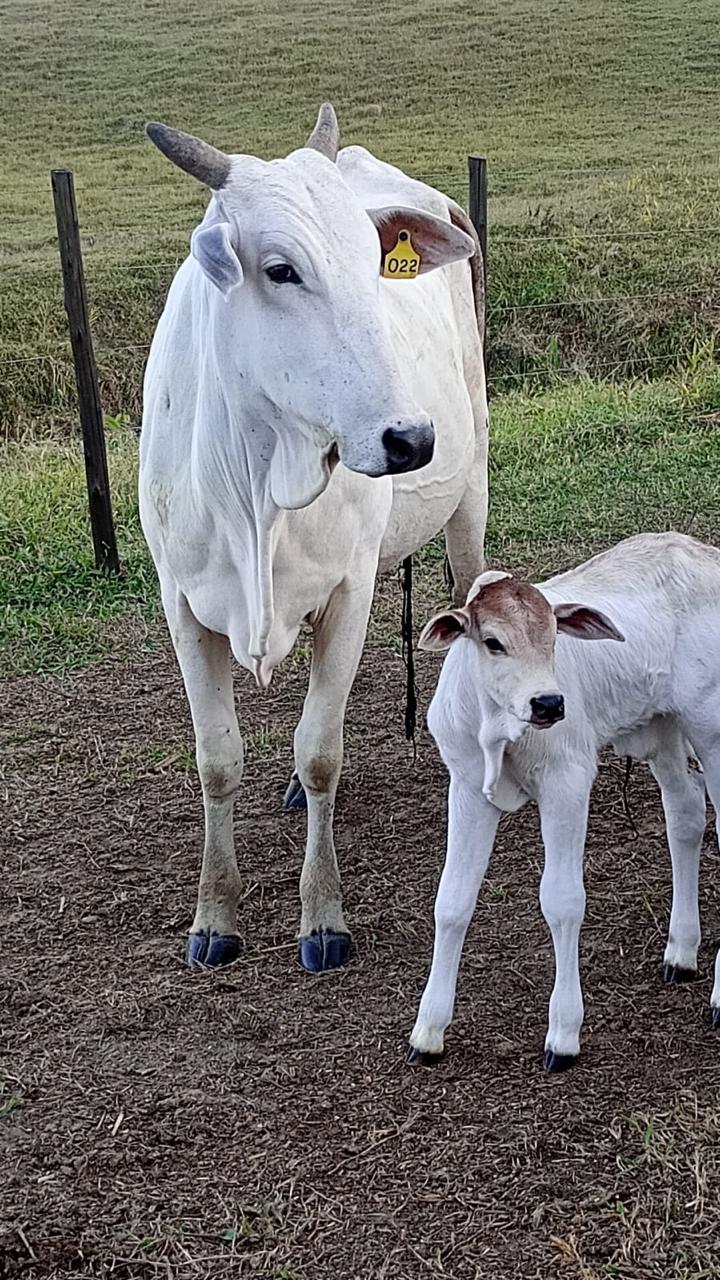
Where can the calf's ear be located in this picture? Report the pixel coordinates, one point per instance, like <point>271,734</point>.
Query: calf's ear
<point>437,242</point>
<point>584,623</point>
<point>210,245</point>
<point>441,630</point>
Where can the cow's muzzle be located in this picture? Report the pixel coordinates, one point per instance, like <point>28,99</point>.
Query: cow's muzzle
<point>408,448</point>
<point>547,709</point>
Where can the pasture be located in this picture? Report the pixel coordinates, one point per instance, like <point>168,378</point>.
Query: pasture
<point>258,1121</point>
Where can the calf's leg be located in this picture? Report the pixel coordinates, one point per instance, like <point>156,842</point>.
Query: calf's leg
<point>472,824</point>
<point>683,799</point>
<point>563,806</point>
<point>705,737</point>
<point>204,659</point>
<point>324,940</point>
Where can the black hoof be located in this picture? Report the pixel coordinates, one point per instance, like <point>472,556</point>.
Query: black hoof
<point>673,974</point>
<point>558,1061</point>
<point>207,950</point>
<point>324,949</point>
<point>295,797</point>
<point>716,1018</point>
<point>419,1058</point>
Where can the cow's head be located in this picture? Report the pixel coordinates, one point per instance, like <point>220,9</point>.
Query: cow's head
<point>514,628</point>
<point>297,258</point>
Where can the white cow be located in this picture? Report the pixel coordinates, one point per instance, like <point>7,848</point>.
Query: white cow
<point>506,681</point>
<point>287,383</point>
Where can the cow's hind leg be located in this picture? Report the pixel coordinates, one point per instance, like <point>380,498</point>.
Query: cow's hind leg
<point>324,941</point>
<point>204,659</point>
<point>465,530</point>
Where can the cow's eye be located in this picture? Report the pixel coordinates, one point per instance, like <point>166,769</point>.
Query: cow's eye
<point>282,273</point>
<point>494,645</point>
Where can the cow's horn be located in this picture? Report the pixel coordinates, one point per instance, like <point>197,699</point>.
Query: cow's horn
<point>196,157</point>
<point>325,137</point>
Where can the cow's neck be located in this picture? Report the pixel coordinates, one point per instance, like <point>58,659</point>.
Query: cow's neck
<point>253,463</point>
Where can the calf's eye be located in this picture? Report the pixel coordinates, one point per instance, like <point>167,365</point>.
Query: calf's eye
<point>494,645</point>
<point>282,273</point>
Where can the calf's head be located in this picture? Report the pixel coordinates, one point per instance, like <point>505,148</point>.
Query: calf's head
<point>514,628</point>
<point>297,258</point>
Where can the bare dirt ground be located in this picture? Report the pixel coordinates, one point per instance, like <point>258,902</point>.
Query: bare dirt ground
<point>261,1122</point>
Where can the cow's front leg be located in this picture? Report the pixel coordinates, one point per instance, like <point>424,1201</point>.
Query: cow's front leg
<point>472,824</point>
<point>563,806</point>
<point>204,659</point>
<point>324,941</point>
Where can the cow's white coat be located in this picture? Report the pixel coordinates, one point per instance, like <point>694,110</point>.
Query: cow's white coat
<point>251,389</point>
<point>655,697</point>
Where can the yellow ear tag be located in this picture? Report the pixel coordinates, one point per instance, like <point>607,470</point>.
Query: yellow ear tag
<point>402,262</point>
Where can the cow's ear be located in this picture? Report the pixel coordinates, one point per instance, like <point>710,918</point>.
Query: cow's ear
<point>584,623</point>
<point>443,629</point>
<point>211,246</point>
<point>436,242</point>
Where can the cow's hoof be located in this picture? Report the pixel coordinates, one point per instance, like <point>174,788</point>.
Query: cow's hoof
<point>558,1061</point>
<point>673,974</point>
<point>420,1058</point>
<point>208,950</point>
<point>324,949</point>
<point>715,1018</point>
<point>295,797</point>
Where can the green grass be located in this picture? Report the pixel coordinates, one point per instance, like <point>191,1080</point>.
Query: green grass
<point>55,609</point>
<point>572,470</point>
<point>623,87</point>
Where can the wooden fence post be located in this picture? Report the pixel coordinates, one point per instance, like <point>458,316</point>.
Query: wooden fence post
<point>478,210</point>
<point>91,420</point>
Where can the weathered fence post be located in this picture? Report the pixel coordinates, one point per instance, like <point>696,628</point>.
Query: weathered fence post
<point>91,420</point>
<point>478,210</point>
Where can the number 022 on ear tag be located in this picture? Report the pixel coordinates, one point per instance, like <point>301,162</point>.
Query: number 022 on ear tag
<point>402,262</point>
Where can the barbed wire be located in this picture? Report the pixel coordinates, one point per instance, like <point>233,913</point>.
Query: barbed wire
<point>601,300</point>
<point>664,232</point>
<point>456,173</point>
<point>557,237</point>
<point>630,363</point>
<point>570,234</point>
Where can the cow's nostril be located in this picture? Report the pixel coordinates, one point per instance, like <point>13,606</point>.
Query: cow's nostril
<point>548,707</point>
<point>399,448</point>
<point>409,448</point>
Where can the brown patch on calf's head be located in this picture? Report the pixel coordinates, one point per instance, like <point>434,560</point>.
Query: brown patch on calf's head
<point>517,609</point>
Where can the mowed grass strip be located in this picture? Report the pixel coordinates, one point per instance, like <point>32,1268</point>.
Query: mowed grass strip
<point>572,470</point>
<point>600,121</point>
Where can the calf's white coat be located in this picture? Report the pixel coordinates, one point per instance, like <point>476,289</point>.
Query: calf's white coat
<point>655,697</point>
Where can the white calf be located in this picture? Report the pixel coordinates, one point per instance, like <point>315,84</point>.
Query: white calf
<point>506,681</point>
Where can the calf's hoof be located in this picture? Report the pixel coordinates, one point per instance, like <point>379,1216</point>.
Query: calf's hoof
<point>295,797</point>
<point>324,949</point>
<point>715,1017</point>
<point>208,950</point>
<point>558,1061</point>
<point>421,1058</point>
<point>673,974</point>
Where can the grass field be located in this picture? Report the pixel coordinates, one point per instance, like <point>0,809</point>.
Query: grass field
<point>622,95</point>
<point>571,469</point>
